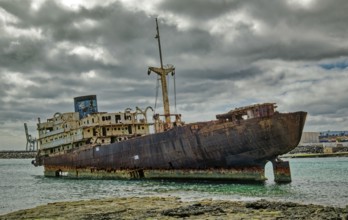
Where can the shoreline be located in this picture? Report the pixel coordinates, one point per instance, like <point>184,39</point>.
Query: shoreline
<point>15,154</point>
<point>174,208</point>
<point>313,155</point>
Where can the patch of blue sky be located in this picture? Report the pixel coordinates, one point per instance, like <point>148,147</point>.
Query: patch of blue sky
<point>336,65</point>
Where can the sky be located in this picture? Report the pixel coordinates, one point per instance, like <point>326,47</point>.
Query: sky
<point>227,54</point>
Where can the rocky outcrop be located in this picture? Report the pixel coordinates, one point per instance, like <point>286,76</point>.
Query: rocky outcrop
<point>174,208</point>
<point>309,149</point>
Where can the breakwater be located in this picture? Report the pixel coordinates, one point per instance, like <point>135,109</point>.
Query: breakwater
<point>318,150</point>
<point>17,154</point>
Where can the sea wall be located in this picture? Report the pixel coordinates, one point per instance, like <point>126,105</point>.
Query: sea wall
<point>17,154</point>
<point>318,150</point>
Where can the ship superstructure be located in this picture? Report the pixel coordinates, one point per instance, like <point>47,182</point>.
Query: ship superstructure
<point>86,127</point>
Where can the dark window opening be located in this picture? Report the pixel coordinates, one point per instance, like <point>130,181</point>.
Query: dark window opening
<point>129,129</point>
<point>117,118</point>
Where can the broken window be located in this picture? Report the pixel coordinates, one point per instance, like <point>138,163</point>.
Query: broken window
<point>117,118</point>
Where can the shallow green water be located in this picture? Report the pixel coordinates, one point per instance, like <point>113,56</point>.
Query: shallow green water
<point>315,180</point>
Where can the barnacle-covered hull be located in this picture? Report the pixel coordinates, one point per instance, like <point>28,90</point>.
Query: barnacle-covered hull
<point>232,150</point>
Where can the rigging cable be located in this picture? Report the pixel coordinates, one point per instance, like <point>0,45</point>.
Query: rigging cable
<point>157,88</point>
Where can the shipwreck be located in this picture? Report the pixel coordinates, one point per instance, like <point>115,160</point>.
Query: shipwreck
<point>236,145</point>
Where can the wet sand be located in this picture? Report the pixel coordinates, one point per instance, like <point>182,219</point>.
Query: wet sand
<point>174,208</point>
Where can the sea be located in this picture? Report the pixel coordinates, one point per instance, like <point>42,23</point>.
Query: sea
<point>321,181</point>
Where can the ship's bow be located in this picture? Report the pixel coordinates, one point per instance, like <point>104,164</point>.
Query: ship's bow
<point>288,128</point>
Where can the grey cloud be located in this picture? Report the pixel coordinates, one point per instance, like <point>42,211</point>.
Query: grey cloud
<point>199,9</point>
<point>214,71</point>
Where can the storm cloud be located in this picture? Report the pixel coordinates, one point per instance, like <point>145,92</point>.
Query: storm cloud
<point>227,54</point>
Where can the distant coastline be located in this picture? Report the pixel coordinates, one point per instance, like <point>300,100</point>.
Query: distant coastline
<point>318,150</point>
<point>17,154</point>
<point>340,154</point>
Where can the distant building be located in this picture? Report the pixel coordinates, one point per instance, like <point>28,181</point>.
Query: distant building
<point>335,149</point>
<point>325,138</point>
<point>328,150</point>
<point>333,133</point>
<point>333,136</point>
<point>309,138</point>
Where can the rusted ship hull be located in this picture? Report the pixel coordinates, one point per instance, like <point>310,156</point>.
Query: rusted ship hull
<point>206,150</point>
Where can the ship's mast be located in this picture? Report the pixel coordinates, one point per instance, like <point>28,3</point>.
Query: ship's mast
<point>159,44</point>
<point>163,72</point>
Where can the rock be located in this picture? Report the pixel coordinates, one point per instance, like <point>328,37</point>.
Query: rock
<point>195,209</point>
<point>261,204</point>
<point>173,208</point>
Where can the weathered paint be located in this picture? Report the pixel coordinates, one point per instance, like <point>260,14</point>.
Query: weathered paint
<point>246,174</point>
<point>190,151</point>
<point>282,173</point>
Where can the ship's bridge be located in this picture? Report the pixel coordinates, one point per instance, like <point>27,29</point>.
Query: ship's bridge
<point>248,112</point>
